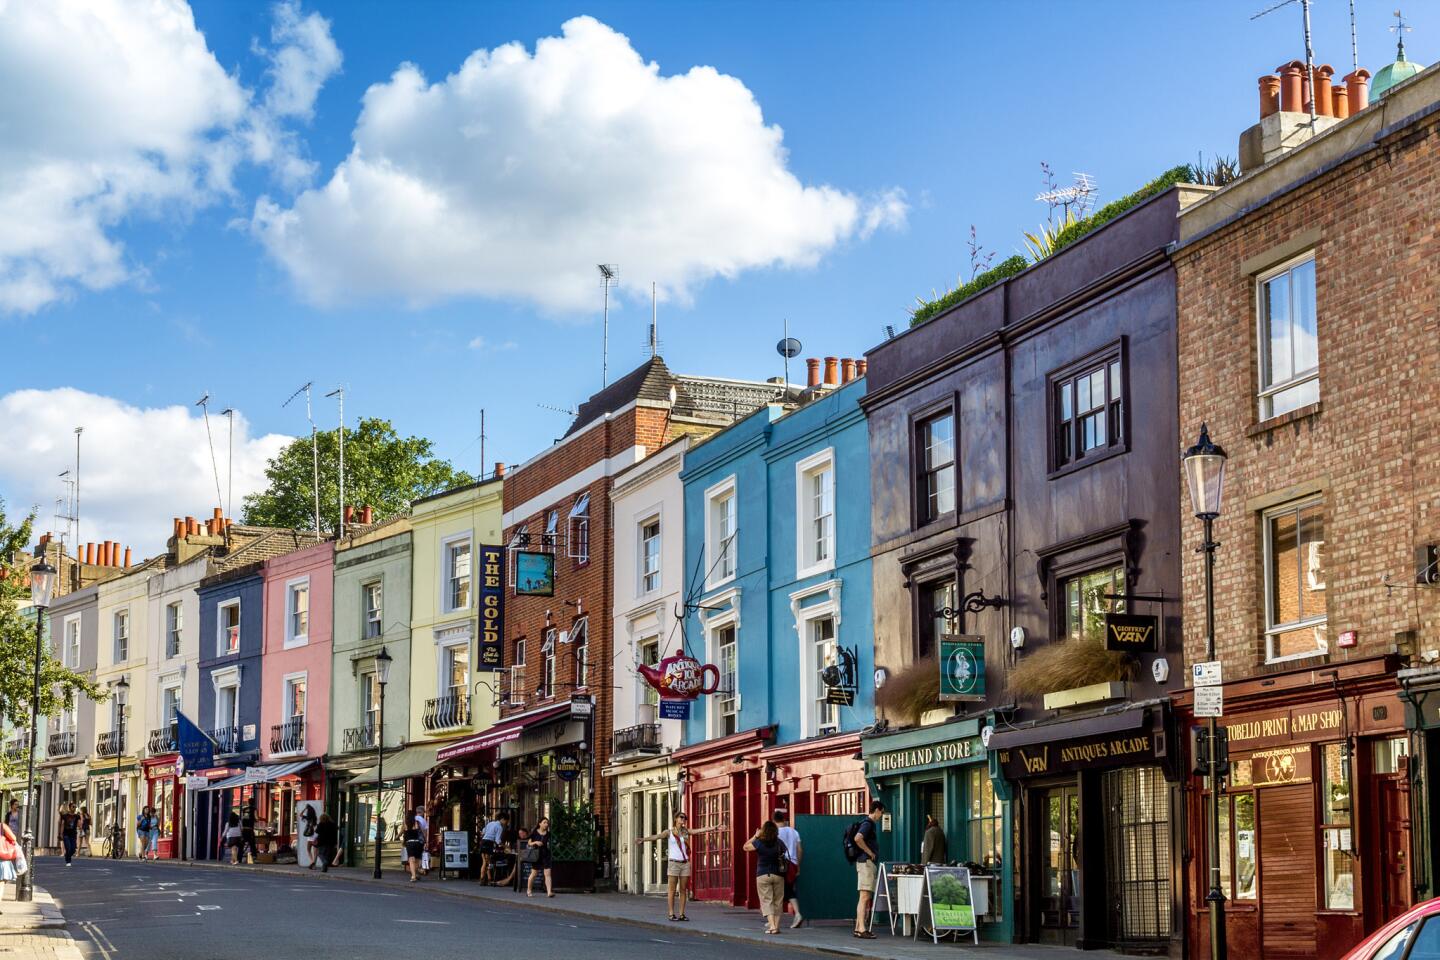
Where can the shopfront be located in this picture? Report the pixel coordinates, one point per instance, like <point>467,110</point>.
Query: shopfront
<point>725,789</point>
<point>647,796</point>
<point>1315,822</point>
<point>113,797</point>
<point>941,771</point>
<point>1095,799</point>
<point>362,805</point>
<point>164,790</point>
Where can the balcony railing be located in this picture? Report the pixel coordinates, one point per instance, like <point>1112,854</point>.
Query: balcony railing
<point>359,738</point>
<point>62,744</point>
<point>288,737</point>
<point>642,738</point>
<point>446,713</point>
<point>163,740</point>
<point>110,743</point>
<point>15,748</point>
<point>227,739</point>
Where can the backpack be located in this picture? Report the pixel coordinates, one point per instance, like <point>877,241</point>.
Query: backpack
<point>852,852</point>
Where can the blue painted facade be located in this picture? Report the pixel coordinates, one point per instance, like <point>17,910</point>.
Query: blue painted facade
<point>244,585</point>
<point>772,600</point>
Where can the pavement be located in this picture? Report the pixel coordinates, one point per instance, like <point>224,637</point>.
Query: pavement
<point>435,905</point>
<point>35,929</point>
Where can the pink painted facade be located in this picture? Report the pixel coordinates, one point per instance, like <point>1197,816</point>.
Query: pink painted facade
<point>297,649</point>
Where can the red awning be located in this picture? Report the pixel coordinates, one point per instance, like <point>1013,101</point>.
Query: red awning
<point>500,733</point>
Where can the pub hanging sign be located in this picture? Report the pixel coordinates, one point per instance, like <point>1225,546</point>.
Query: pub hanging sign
<point>1131,632</point>
<point>962,668</point>
<point>492,608</point>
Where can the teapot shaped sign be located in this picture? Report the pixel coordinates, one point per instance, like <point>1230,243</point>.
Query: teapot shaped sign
<point>681,677</point>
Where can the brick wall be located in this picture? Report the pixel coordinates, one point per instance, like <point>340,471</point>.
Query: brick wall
<point>1371,447</point>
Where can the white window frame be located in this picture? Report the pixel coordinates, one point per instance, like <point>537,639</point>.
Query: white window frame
<point>70,645</point>
<point>366,620</point>
<point>222,721</point>
<point>223,679</point>
<point>293,639</point>
<point>1267,393</point>
<point>174,625</point>
<point>641,571</point>
<point>805,517</point>
<point>715,571</point>
<point>179,690</point>
<point>222,649</point>
<point>517,674</point>
<point>646,694</point>
<point>578,546</point>
<point>547,675</point>
<point>514,546</point>
<point>287,698</point>
<point>446,543</point>
<point>716,623</point>
<point>446,642</point>
<point>1319,624</point>
<point>804,615</point>
<point>579,639</point>
<point>120,616</point>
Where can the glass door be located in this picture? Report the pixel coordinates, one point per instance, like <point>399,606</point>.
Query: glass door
<point>1059,849</point>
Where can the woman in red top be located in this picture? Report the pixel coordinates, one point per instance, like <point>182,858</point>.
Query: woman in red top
<point>9,852</point>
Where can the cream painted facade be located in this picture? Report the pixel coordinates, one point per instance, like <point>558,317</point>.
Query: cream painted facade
<point>446,529</point>
<point>647,501</point>
<point>174,666</point>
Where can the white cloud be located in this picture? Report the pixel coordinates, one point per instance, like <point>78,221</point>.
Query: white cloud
<point>516,174</point>
<point>113,109</point>
<point>480,343</point>
<point>139,466</point>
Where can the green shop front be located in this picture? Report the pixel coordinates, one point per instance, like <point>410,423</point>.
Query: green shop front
<point>942,771</point>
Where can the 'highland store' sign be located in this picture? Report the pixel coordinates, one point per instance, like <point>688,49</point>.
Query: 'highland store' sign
<point>925,756</point>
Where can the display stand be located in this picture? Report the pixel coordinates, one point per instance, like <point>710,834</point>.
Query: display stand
<point>884,890</point>
<point>455,856</point>
<point>949,899</point>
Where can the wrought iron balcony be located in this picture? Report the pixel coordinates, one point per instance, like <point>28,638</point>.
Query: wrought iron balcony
<point>15,747</point>
<point>288,737</point>
<point>446,713</point>
<point>62,744</point>
<point>227,739</point>
<point>359,738</point>
<point>163,740</point>
<point>110,743</point>
<point>641,738</point>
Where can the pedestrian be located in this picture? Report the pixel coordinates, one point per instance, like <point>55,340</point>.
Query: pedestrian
<point>490,839</point>
<point>12,817</point>
<point>142,832</point>
<point>677,869</point>
<point>10,857</point>
<point>794,850</point>
<point>414,846</point>
<point>769,873</point>
<point>69,831</point>
<point>85,831</point>
<point>235,839</point>
<point>933,849</point>
<point>867,858</point>
<point>307,831</point>
<point>423,822</point>
<point>542,862</point>
<point>152,834</point>
<point>247,832</point>
<point>522,843</point>
<point>327,842</point>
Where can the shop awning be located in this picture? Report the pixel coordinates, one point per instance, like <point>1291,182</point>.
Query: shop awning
<point>500,733</point>
<point>224,783</point>
<point>409,762</point>
<point>1076,729</point>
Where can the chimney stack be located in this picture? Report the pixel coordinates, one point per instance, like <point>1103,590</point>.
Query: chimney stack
<point>832,371</point>
<point>1357,84</point>
<point>1269,95</point>
<point>127,557</point>
<point>192,527</point>
<point>1291,80</point>
<point>847,370</point>
<point>812,365</point>
<point>179,529</point>
<point>1340,99</point>
<point>499,468</point>
<point>367,515</point>
<point>1323,106</point>
<point>90,553</point>
<point>861,366</point>
<point>349,515</point>
<point>112,553</point>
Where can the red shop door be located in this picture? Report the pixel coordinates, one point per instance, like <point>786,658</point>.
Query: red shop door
<point>1393,835</point>
<point>710,853</point>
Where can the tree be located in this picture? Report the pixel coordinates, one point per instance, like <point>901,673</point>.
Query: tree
<point>382,470</point>
<point>59,685</point>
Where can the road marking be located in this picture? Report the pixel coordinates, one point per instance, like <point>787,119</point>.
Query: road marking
<point>208,906</point>
<point>442,923</point>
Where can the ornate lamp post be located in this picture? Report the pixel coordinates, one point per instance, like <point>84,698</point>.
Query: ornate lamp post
<point>120,689</point>
<point>382,677</point>
<point>1205,475</point>
<point>42,590</point>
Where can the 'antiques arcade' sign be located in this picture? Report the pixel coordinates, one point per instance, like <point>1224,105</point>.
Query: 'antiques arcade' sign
<point>1040,759</point>
<point>492,608</point>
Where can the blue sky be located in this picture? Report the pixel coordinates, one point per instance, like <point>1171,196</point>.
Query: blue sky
<point>955,104</point>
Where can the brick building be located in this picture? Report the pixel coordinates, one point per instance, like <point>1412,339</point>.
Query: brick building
<point>1307,341</point>
<point>559,649</point>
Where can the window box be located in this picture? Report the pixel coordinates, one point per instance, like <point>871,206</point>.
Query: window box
<point>1081,696</point>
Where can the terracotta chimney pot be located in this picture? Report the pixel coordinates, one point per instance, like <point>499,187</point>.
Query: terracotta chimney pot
<point>861,366</point>
<point>217,513</point>
<point>112,553</point>
<point>1291,78</point>
<point>499,468</point>
<point>832,371</point>
<point>349,514</point>
<point>191,527</point>
<point>89,553</point>
<point>177,528</point>
<point>1340,100</point>
<point>127,557</point>
<point>847,370</point>
<point>1358,86</point>
<point>367,515</point>
<point>1269,95</point>
<point>812,366</point>
<point>1323,105</point>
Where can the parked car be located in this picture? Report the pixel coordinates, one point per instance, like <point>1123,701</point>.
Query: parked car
<point>1414,935</point>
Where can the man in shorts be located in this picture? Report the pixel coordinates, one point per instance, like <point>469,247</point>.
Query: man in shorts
<point>867,859</point>
<point>490,839</point>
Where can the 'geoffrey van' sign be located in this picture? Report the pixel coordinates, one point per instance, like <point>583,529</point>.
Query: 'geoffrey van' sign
<point>1130,633</point>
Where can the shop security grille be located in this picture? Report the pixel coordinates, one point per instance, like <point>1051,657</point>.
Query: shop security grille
<point>1137,802</point>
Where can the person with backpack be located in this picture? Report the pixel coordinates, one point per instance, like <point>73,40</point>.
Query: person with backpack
<point>862,846</point>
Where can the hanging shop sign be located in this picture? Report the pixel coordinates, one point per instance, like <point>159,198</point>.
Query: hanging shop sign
<point>1068,756</point>
<point>840,677</point>
<point>534,574</point>
<point>674,709</point>
<point>1131,632</point>
<point>492,608</point>
<point>567,767</point>
<point>681,677</point>
<point>962,667</point>
<point>582,705</point>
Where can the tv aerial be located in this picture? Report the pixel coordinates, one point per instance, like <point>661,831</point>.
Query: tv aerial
<point>1078,198</point>
<point>789,348</point>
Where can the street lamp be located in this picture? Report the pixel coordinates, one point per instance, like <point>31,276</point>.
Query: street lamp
<point>382,677</point>
<point>120,690</point>
<point>1205,476</point>
<point>42,590</point>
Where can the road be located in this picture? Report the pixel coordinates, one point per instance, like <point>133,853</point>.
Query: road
<point>125,910</point>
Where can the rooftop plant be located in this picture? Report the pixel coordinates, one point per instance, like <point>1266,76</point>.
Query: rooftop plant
<point>1067,665</point>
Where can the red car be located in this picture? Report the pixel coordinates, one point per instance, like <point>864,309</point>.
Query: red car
<point>1414,935</point>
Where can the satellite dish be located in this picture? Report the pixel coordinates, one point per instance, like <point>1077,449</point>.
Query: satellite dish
<point>788,348</point>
